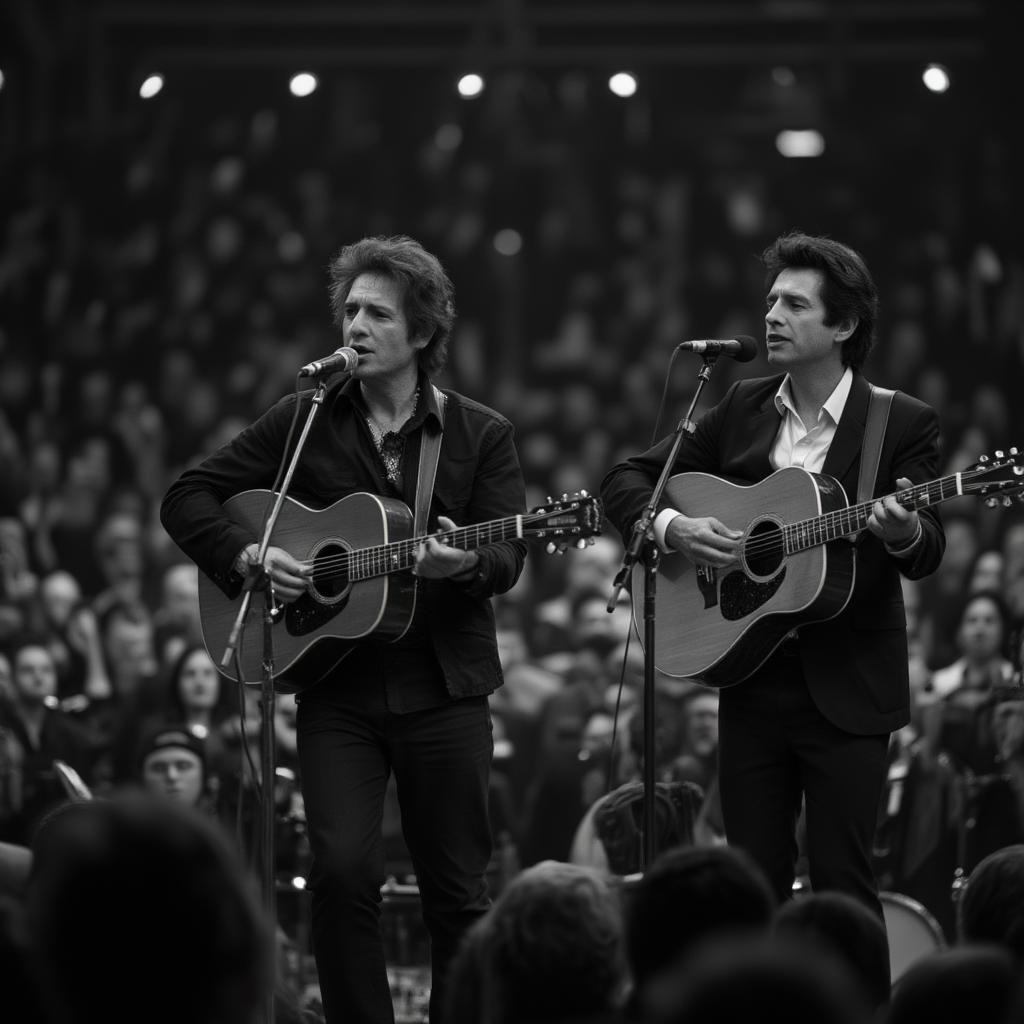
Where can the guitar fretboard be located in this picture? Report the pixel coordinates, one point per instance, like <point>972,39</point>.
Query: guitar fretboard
<point>810,533</point>
<point>365,563</point>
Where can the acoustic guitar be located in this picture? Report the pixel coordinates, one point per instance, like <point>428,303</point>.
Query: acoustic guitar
<point>795,565</point>
<point>362,551</point>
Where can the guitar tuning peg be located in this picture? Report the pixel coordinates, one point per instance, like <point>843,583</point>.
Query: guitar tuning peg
<point>590,542</point>
<point>1007,501</point>
<point>581,544</point>
<point>991,502</point>
<point>565,496</point>
<point>999,454</point>
<point>584,494</point>
<point>550,500</point>
<point>550,547</point>
<point>981,458</point>
<point>1013,450</point>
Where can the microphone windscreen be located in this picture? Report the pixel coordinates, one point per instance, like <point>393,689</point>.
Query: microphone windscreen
<point>748,348</point>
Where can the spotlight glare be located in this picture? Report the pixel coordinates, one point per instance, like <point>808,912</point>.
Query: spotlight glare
<point>508,242</point>
<point>470,86</point>
<point>303,84</point>
<point>151,86</point>
<point>798,144</point>
<point>935,78</point>
<point>622,83</point>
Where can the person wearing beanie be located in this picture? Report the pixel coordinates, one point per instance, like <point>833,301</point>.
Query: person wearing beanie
<point>172,763</point>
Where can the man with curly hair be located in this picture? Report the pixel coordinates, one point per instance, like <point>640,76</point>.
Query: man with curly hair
<point>416,704</point>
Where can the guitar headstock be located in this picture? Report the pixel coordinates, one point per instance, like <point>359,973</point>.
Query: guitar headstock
<point>998,479</point>
<point>575,520</point>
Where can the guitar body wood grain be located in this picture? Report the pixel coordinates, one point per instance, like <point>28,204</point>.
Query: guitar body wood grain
<point>718,625</point>
<point>362,549</point>
<point>338,609</point>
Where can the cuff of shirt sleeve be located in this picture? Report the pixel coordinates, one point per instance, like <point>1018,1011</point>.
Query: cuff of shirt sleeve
<point>660,527</point>
<point>904,549</point>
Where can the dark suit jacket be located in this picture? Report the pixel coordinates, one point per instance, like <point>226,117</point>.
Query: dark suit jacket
<point>856,664</point>
<point>478,479</point>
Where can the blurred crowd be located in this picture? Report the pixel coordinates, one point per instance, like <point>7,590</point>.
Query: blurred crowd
<point>160,288</point>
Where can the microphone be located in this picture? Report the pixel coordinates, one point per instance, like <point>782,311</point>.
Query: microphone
<point>341,359</point>
<point>742,348</point>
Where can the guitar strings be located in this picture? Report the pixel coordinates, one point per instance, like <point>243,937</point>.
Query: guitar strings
<point>847,520</point>
<point>375,557</point>
<point>852,517</point>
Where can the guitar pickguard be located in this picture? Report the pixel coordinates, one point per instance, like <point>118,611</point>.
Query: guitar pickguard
<point>741,596</point>
<point>307,614</point>
<point>707,584</point>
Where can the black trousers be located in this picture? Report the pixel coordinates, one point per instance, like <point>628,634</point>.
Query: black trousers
<point>776,750</point>
<point>441,760</point>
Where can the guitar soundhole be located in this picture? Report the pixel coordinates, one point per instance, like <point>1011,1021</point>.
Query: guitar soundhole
<point>330,573</point>
<point>329,592</point>
<point>763,549</point>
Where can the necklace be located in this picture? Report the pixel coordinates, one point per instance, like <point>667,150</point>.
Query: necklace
<point>390,444</point>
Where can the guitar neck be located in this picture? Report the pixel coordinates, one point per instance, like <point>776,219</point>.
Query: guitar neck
<point>365,563</point>
<point>853,519</point>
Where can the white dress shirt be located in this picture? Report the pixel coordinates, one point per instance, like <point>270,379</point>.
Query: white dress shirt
<point>799,445</point>
<point>795,444</point>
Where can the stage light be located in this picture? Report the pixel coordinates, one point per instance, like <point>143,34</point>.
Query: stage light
<point>470,86</point>
<point>303,84</point>
<point>935,78</point>
<point>622,84</point>
<point>798,144</point>
<point>508,242</point>
<point>151,86</point>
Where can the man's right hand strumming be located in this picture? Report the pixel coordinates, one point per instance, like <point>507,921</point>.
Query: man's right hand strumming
<point>290,577</point>
<point>704,540</point>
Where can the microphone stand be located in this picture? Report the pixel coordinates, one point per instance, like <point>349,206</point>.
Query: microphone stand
<point>257,577</point>
<point>642,547</point>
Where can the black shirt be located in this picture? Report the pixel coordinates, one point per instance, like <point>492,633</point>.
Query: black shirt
<point>451,638</point>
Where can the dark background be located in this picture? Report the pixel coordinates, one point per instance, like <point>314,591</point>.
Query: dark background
<point>165,259</point>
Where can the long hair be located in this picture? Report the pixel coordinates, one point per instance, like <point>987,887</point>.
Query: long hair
<point>427,291</point>
<point>226,705</point>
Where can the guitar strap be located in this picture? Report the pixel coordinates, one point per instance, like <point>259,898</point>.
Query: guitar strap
<point>430,448</point>
<point>874,432</point>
